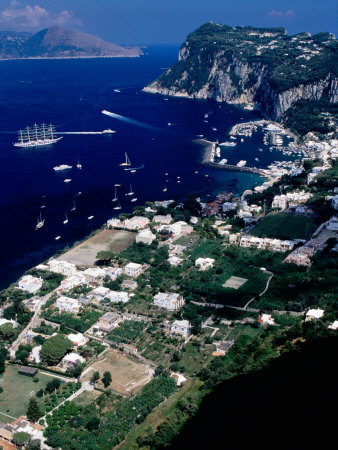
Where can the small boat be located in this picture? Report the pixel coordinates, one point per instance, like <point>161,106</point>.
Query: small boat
<point>130,191</point>
<point>62,167</point>
<point>57,238</point>
<point>90,217</point>
<point>178,177</point>
<point>108,131</point>
<point>166,174</point>
<point>78,194</point>
<point>165,189</point>
<point>133,199</point>
<point>206,175</point>
<point>178,181</point>
<point>43,206</point>
<point>117,90</point>
<point>214,129</point>
<point>118,206</point>
<point>78,165</point>
<point>66,219</point>
<point>132,171</point>
<point>196,171</point>
<point>117,185</point>
<point>40,222</point>
<point>242,140</point>
<point>200,135</point>
<point>74,206</point>
<point>256,159</point>
<point>127,161</point>
<point>67,180</point>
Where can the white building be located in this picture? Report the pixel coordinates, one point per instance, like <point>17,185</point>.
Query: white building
<point>168,300</point>
<point>204,263</point>
<point>129,284</point>
<point>63,267</point>
<point>30,284</point>
<point>68,304</point>
<point>334,202</point>
<point>34,355</point>
<point>114,222</point>
<point>280,201</point>
<point>78,279</point>
<point>334,325</point>
<point>145,236</point>
<point>133,269</point>
<point>77,339</point>
<point>136,223</point>
<point>314,314</point>
<point>178,377</point>
<point>295,197</point>
<point>266,243</point>
<point>332,224</point>
<point>266,319</point>
<point>163,219</point>
<point>113,272</point>
<point>174,260</point>
<point>100,293</point>
<point>118,296</point>
<point>95,274</point>
<point>72,359</point>
<point>194,220</point>
<point>181,327</point>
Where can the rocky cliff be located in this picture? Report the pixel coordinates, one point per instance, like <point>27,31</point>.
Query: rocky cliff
<point>56,42</point>
<point>249,65</point>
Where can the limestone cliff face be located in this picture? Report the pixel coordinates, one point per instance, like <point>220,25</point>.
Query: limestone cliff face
<point>223,76</point>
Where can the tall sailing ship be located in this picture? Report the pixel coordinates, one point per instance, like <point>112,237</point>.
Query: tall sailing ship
<point>36,136</point>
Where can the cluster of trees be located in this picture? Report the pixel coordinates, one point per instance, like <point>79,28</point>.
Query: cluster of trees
<point>86,318</point>
<point>54,349</point>
<point>3,356</point>
<point>106,378</point>
<point>126,332</point>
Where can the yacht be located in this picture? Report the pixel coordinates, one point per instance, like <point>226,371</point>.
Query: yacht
<point>118,206</point>
<point>241,163</point>
<point>165,189</point>
<point>74,206</point>
<point>108,131</point>
<point>62,167</point>
<point>57,238</point>
<point>133,199</point>
<point>90,217</point>
<point>67,180</point>
<point>43,206</point>
<point>78,165</point>
<point>66,219</point>
<point>115,197</point>
<point>40,222</point>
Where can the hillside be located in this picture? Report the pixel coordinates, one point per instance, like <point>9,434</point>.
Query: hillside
<point>56,42</point>
<point>245,65</point>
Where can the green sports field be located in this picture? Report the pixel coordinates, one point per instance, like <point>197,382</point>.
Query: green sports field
<point>284,226</point>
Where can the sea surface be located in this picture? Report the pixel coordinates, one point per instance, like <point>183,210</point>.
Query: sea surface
<point>71,94</point>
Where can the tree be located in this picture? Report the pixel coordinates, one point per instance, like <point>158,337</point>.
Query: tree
<point>76,370</point>
<point>95,377</point>
<point>21,438</point>
<point>3,356</point>
<point>105,256</point>
<point>7,331</point>
<point>93,423</point>
<point>54,349</point>
<point>34,445</point>
<point>33,411</point>
<point>106,379</point>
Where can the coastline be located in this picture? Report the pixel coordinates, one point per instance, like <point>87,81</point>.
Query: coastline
<point>71,57</point>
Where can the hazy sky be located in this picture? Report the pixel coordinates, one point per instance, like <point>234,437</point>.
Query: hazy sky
<point>159,21</point>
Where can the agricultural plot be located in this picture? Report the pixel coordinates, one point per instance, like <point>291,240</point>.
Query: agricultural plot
<point>17,390</point>
<point>128,376</point>
<point>235,282</point>
<point>85,253</point>
<point>284,226</point>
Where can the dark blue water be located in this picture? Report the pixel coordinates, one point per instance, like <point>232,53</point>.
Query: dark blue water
<point>71,94</point>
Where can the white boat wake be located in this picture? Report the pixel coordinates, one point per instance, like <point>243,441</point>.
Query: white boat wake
<point>131,121</point>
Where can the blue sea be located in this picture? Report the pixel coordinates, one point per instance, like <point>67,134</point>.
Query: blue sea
<point>71,94</point>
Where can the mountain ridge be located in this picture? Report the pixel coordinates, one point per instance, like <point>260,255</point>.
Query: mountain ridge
<point>57,42</point>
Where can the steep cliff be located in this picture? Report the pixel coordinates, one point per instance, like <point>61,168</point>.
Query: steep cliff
<point>250,65</point>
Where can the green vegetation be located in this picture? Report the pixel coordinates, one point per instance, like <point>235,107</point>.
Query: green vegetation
<point>72,425</point>
<point>33,411</point>
<point>284,226</point>
<point>105,256</point>
<point>84,320</point>
<point>54,349</point>
<point>126,332</point>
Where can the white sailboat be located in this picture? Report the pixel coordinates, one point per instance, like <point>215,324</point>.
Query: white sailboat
<point>78,165</point>
<point>90,217</point>
<point>57,238</point>
<point>66,219</point>
<point>40,222</point>
<point>116,197</point>
<point>74,206</point>
<point>131,192</point>
<point>127,161</point>
<point>133,199</point>
<point>118,206</point>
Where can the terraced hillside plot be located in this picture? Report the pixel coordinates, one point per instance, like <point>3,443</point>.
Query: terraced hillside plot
<point>128,376</point>
<point>235,282</point>
<point>284,226</point>
<point>85,253</point>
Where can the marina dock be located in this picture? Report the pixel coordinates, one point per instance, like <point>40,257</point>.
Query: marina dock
<point>208,159</point>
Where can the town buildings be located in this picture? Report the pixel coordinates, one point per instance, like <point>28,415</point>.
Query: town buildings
<point>168,300</point>
<point>68,304</point>
<point>276,245</point>
<point>145,236</point>
<point>181,328</point>
<point>204,263</point>
<point>133,269</point>
<point>30,284</point>
<point>62,267</point>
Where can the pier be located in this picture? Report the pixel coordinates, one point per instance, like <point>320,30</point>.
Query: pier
<point>208,159</point>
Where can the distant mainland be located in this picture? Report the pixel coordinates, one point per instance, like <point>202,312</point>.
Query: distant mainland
<point>56,42</point>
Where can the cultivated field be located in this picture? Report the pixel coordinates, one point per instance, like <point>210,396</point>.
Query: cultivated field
<point>85,253</point>
<point>128,376</point>
<point>17,390</point>
<point>284,226</point>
